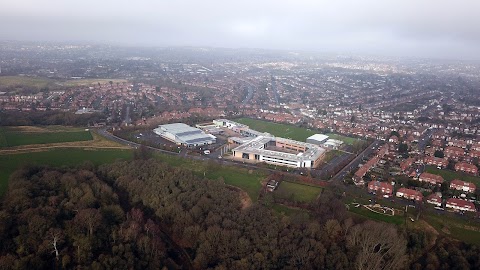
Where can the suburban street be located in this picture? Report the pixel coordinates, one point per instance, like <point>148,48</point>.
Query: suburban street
<point>356,161</point>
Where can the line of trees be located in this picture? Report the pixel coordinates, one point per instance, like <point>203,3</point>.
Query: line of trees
<point>144,214</point>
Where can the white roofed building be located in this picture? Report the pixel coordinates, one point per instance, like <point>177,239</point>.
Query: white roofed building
<point>185,135</point>
<point>317,139</point>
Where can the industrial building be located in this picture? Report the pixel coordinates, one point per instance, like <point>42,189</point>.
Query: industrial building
<point>185,135</point>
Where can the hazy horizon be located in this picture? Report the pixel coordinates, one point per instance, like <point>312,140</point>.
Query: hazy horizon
<point>426,29</point>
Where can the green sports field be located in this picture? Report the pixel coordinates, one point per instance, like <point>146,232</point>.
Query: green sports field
<point>10,138</point>
<point>57,157</point>
<point>288,131</point>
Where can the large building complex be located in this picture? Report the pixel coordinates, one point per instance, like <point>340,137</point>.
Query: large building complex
<point>263,147</point>
<point>185,135</point>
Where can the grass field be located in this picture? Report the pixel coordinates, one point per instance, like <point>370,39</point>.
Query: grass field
<point>38,83</point>
<point>362,211</point>
<point>450,175</point>
<point>288,131</point>
<point>10,138</point>
<point>32,83</point>
<point>287,211</point>
<point>298,192</point>
<point>248,181</point>
<point>89,82</point>
<point>463,230</point>
<point>57,157</point>
<point>281,130</point>
<point>345,139</point>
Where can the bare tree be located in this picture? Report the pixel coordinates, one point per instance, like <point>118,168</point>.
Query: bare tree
<point>56,236</point>
<point>379,246</point>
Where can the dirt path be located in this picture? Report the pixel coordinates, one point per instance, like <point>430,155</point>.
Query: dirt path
<point>244,198</point>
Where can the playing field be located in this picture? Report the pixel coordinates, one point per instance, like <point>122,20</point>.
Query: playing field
<point>20,82</point>
<point>10,138</point>
<point>297,192</point>
<point>89,82</point>
<point>288,131</point>
<point>450,175</point>
<point>57,157</point>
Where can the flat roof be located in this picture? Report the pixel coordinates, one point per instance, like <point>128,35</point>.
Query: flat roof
<point>178,128</point>
<point>318,137</point>
<point>185,134</point>
<point>255,146</point>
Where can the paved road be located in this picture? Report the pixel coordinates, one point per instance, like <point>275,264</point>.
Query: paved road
<point>356,161</point>
<point>334,165</point>
<point>422,142</point>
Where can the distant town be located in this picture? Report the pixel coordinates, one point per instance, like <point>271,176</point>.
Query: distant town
<point>395,128</point>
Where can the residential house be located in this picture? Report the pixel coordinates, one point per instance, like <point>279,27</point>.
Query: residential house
<point>435,161</point>
<point>460,205</point>
<point>435,200</point>
<point>382,187</point>
<point>466,167</point>
<point>409,194</point>
<point>431,178</point>
<point>463,186</point>
<point>454,152</point>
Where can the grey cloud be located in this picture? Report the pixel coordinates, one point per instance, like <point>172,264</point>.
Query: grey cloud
<point>427,28</point>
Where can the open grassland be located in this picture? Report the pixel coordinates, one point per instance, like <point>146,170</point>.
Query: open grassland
<point>31,83</point>
<point>288,211</point>
<point>28,138</point>
<point>89,82</point>
<point>298,192</point>
<point>364,212</point>
<point>466,230</point>
<point>450,175</point>
<point>288,131</point>
<point>35,84</point>
<point>57,157</point>
<point>14,138</point>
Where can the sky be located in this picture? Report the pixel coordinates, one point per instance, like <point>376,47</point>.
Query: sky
<point>446,29</point>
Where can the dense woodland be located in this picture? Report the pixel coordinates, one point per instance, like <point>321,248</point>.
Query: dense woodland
<point>144,214</point>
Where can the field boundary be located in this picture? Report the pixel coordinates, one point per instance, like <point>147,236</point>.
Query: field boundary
<point>45,148</point>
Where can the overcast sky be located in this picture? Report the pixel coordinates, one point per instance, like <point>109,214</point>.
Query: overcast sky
<point>422,28</point>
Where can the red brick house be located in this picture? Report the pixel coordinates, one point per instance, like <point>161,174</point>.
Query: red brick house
<point>382,187</point>
<point>435,200</point>
<point>463,186</point>
<point>466,167</point>
<point>431,178</point>
<point>460,205</point>
<point>435,161</point>
<point>409,194</point>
